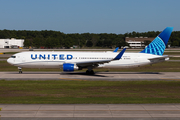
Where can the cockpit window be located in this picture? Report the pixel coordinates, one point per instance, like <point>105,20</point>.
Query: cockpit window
<point>13,56</point>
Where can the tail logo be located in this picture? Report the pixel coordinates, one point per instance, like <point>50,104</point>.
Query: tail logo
<point>158,45</point>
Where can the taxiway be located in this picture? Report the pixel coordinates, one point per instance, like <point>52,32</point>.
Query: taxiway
<point>109,76</point>
<point>143,111</point>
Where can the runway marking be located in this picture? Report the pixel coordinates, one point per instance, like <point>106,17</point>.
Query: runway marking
<point>72,79</point>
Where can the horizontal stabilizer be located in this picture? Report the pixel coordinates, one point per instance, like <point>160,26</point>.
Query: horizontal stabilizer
<point>159,59</point>
<point>164,56</point>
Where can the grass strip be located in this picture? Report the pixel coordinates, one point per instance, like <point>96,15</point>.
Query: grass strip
<point>4,57</point>
<point>174,58</point>
<point>172,53</point>
<point>10,52</point>
<point>88,92</point>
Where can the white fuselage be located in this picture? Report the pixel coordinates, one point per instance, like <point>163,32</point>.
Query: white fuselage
<point>57,59</point>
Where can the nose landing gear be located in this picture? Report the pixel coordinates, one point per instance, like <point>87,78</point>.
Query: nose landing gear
<point>20,70</point>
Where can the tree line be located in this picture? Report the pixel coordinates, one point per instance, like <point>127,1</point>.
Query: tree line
<point>56,39</point>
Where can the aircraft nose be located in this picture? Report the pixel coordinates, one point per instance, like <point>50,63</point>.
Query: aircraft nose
<point>9,61</point>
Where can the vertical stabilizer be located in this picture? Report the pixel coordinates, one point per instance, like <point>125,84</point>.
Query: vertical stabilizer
<point>158,45</point>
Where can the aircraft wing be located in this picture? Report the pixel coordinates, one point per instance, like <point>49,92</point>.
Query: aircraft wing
<point>92,63</point>
<point>95,62</point>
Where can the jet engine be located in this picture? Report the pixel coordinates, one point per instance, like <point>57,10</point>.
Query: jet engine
<point>69,67</point>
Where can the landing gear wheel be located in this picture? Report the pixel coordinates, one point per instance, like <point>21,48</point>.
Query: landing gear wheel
<point>20,71</point>
<point>92,72</point>
<point>87,72</point>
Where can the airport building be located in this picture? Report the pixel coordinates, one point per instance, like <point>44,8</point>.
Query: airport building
<point>11,43</point>
<point>138,42</point>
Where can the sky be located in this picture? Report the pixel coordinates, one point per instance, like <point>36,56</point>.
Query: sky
<point>93,16</point>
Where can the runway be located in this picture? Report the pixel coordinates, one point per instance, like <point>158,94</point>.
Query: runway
<point>109,76</point>
<point>143,111</point>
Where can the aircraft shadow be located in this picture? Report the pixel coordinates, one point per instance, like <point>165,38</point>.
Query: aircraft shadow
<point>129,72</point>
<point>61,73</point>
<point>97,74</point>
<point>82,73</point>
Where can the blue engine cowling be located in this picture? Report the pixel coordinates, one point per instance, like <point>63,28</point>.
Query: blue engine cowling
<point>69,67</point>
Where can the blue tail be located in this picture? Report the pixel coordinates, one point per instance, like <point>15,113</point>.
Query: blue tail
<point>158,45</point>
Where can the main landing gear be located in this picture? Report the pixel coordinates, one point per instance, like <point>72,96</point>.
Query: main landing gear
<point>20,70</point>
<point>91,72</point>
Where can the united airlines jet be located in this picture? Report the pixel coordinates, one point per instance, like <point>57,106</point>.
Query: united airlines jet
<point>70,61</point>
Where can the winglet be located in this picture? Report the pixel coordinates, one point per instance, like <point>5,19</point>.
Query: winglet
<point>116,49</point>
<point>120,54</point>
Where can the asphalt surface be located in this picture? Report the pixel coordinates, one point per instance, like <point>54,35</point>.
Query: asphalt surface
<point>129,111</point>
<point>109,76</point>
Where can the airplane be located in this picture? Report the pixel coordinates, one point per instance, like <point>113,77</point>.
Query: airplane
<point>71,61</point>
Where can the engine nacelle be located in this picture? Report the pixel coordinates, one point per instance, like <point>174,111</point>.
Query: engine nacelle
<point>69,67</point>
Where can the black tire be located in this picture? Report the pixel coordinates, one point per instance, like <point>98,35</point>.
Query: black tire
<point>92,72</point>
<point>87,72</point>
